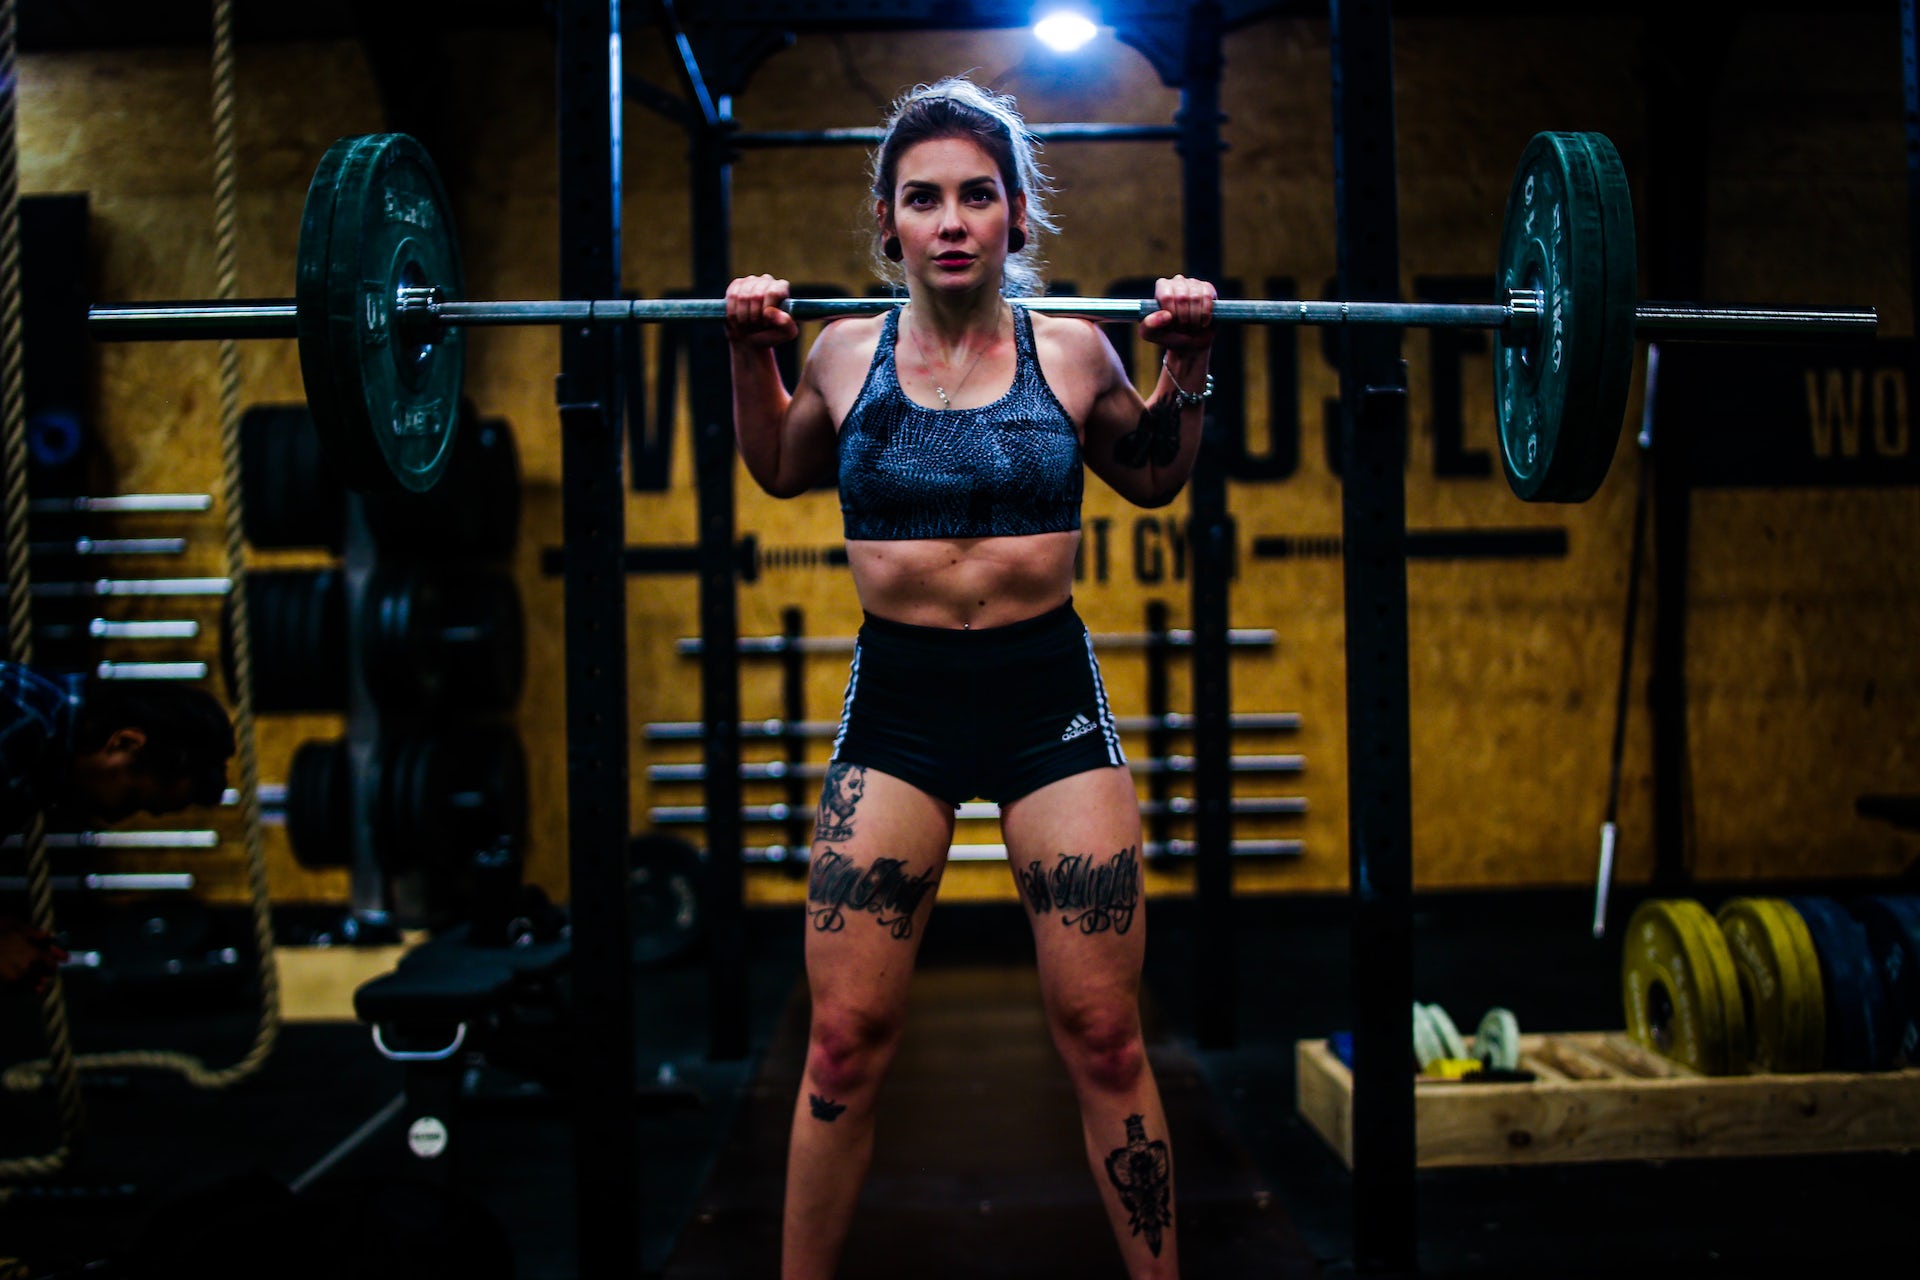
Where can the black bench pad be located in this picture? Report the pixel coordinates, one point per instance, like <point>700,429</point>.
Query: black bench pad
<point>450,979</point>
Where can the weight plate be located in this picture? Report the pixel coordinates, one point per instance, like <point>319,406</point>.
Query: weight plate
<point>473,511</point>
<point>319,805</point>
<point>292,497</point>
<point>448,638</point>
<point>1497,1043</point>
<point>311,265</point>
<point>407,833</point>
<point>1893,938</point>
<point>1621,279</point>
<point>487,804</point>
<point>1779,985</point>
<point>664,899</point>
<point>1720,966</point>
<point>384,630</point>
<point>1451,1044</point>
<point>1858,1036</point>
<point>388,398</point>
<point>1672,986</point>
<point>1558,393</point>
<point>54,437</point>
<point>297,622</point>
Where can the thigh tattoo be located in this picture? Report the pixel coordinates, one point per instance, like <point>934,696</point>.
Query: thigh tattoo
<point>1090,895</point>
<point>839,796</point>
<point>887,890</point>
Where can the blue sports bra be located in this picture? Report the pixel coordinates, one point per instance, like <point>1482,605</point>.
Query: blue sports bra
<point>999,470</point>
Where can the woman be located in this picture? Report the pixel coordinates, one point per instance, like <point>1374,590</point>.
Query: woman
<point>958,427</point>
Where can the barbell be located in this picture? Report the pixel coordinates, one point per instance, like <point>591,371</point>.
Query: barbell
<point>379,314</point>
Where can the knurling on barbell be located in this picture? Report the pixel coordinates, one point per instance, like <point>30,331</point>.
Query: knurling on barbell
<point>380,313</point>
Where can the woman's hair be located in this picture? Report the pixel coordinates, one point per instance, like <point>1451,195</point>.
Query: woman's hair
<point>189,737</point>
<point>958,108</point>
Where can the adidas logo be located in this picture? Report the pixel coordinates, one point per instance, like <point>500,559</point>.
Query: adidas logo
<point>1080,725</point>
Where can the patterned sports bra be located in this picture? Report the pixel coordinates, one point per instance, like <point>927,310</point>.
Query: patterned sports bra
<point>999,470</point>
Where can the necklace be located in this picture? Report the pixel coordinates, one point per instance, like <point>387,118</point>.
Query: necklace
<point>946,401</point>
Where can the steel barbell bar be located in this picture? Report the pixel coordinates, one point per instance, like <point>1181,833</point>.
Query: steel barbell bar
<point>379,314</point>
<point>424,308</point>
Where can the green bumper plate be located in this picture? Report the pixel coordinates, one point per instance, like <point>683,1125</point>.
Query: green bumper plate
<point>1560,396</point>
<point>385,399</point>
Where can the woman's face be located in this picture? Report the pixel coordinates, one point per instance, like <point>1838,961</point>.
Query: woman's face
<point>951,212</point>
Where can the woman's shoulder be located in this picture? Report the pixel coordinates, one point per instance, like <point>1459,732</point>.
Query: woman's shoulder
<point>845,346</point>
<point>1062,328</point>
<point>1068,337</point>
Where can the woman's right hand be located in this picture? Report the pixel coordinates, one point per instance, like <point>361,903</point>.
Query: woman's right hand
<point>754,314</point>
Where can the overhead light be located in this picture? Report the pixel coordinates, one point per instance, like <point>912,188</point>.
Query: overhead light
<point>1064,30</point>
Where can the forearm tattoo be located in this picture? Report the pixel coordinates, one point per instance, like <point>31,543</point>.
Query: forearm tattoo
<point>825,1109</point>
<point>839,797</point>
<point>1155,440</point>
<point>836,885</point>
<point>1142,1172</point>
<point>1091,895</point>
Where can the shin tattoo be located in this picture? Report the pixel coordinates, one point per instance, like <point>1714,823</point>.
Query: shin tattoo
<point>1142,1172</point>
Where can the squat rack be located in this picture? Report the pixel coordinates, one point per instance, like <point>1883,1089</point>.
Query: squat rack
<point>716,51</point>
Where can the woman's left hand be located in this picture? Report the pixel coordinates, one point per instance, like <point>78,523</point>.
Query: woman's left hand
<point>1184,321</point>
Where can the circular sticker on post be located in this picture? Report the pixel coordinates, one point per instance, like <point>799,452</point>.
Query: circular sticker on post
<point>427,1137</point>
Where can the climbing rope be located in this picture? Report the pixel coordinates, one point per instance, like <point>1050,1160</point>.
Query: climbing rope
<point>59,1063</point>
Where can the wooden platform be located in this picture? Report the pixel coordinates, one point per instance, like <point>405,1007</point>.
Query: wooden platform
<point>1600,1096</point>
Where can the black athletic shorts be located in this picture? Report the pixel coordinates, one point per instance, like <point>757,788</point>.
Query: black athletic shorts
<point>997,713</point>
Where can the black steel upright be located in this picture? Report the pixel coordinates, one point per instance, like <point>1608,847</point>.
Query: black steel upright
<point>1910,84</point>
<point>1684,76</point>
<point>710,162</point>
<point>605,1150</point>
<point>1373,431</point>
<point>1211,536</point>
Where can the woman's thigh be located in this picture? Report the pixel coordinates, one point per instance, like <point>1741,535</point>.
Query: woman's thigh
<point>879,850</point>
<point>1074,847</point>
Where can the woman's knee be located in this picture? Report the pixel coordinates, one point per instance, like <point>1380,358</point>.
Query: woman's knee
<point>850,1047</point>
<point>1102,1044</point>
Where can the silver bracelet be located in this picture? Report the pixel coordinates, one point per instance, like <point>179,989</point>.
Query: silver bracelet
<point>1184,399</point>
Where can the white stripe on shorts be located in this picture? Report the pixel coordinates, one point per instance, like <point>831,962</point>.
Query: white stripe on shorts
<point>1108,729</point>
<point>846,707</point>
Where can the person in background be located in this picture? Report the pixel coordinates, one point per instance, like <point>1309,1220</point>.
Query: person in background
<point>98,752</point>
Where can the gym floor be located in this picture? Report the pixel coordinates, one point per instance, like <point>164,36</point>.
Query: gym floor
<point>979,1167</point>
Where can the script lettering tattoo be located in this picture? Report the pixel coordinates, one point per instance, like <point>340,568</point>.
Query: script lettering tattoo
<point>1142,1172</point>
<point>1155,440</point>
<point>825,1109</point>
<point>1095,896</point>
<point>837,885</point>
<point>839,796</point>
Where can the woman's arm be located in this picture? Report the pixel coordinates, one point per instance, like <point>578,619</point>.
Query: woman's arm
<point>787,441</point>
<point>1145,449</point>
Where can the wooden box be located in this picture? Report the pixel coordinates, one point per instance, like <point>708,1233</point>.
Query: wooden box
<point>1600,1096</point>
